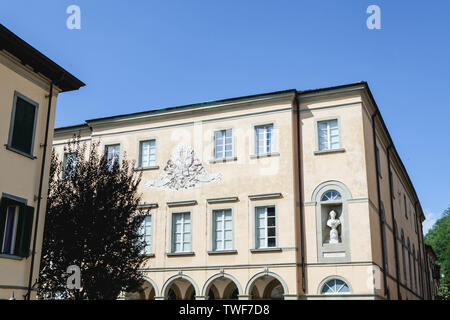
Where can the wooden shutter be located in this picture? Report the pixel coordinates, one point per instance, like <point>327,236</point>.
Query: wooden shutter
<point>23,130</point>
<point>24,230</point>
<point>3,207</point>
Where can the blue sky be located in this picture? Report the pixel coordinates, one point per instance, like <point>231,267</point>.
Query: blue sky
<point>139,55</point>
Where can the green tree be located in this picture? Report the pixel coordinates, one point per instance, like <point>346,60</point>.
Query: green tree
<point>91,222</point>
<point>439,239</point>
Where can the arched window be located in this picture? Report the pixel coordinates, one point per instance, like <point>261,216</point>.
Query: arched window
<point>331,196</point>
<point>335,286</point>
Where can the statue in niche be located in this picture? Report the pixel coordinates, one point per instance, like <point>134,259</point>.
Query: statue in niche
<point>333,223</point>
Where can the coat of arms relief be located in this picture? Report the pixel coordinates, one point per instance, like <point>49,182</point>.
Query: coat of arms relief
<point>183,171</point>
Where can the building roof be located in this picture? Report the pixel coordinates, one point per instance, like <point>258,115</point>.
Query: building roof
<point>36,60</point>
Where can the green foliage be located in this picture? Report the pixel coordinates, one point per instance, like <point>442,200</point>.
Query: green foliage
<point>439,239</point>
<point>91,222</point>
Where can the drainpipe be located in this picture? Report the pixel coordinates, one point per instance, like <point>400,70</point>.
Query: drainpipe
<point>386,293</point>
<point>41,180</point>
<point>418,246</point>
<point>300,202</point>
<point>394,224</point>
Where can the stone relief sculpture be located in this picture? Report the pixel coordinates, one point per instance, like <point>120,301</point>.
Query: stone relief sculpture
<point>183,171</point>
<point>333,223</point>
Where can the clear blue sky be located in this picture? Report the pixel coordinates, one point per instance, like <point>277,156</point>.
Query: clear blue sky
<point>139,55</point>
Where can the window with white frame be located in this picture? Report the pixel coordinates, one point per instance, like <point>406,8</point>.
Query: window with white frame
<point>328,132</point>
<point>223,230</point>
<point>335,286</point>
<point>70,163</point>
<point>146,232</point>
<point>113,155</point>
<point>264,139</point>
<point>223,144</point>
<point>181,232</point>
<point>147,151</point>
<point>265,227</point>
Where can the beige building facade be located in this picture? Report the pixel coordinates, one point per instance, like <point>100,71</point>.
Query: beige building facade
<point>29,86</point>
<point>284,195</point>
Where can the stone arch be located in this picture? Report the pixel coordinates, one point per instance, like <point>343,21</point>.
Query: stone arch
<point>218,276</point>
<point>153,283</point>
<point>172,279</point>
<point>322,283</point>
<point>265,274</point>
<point>329,185</point>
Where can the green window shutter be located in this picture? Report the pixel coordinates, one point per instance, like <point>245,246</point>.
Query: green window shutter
<point>24,230</point>
<point>3,207</point>
<point>23,130</point>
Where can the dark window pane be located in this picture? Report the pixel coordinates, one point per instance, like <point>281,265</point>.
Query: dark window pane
<point>271,242</point>
<point>23,130</point>
<point>271,232</point>
<point>271,211</point>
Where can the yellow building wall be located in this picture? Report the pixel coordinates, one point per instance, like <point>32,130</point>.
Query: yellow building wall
<point>19,175</point>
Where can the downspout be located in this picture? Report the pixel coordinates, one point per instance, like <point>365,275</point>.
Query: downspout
<point>379,201</point>
<point>394,224</point>
<point>41,180</point>
<point>300,202</point>
<point>418,246</point>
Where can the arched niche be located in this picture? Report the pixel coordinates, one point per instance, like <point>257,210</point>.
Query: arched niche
<point>332,224</point>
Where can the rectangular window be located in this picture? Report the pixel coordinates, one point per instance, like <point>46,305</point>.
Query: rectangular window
<point>23,125</point>
<point>264,141</point>
<point>181,232</point>
<point>223,230</point>
<point>146,232</point>
<point>265,227</point>
<point>113,155</point>
<point>147,151</point>
<point>16,221</point>
<point>328,135</point>
<point>10,231</point>
<point>223,144</point>
<point>70,163</point>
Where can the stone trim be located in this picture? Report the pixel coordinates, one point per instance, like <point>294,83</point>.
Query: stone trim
<point>181,203</point>
<point>265,196</point>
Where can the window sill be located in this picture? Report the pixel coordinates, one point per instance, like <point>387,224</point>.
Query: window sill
<point>329,151</point>
<point>259,250</point>
<point>146,168</point>
<point>222,252</point>
<point>180,254</point>
<point>149,255</point>
<point>10,256</point>
<point>20,152</point>
<point>220,160</point>
<point>264,155</point>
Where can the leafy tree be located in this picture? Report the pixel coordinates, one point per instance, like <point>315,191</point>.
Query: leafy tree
<point>91,222</point>
<point>439,239</point>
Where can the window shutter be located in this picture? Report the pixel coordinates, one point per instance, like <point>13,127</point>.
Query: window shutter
<point>23,131</point>
<point>3,206</point>
<point>24,227</point>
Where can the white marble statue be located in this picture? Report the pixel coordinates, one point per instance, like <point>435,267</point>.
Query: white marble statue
<point>333,223</point>
<point>183,171</point>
